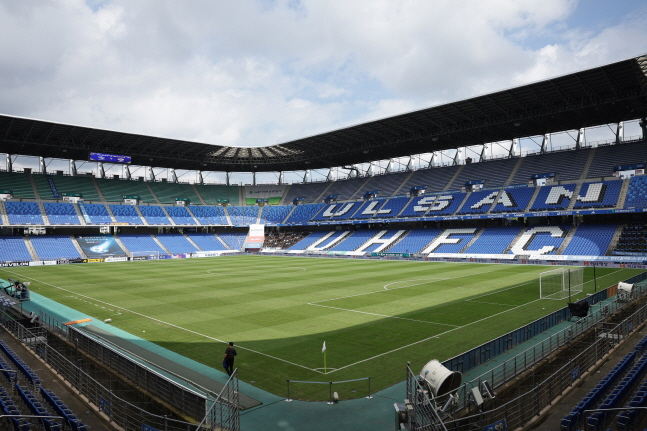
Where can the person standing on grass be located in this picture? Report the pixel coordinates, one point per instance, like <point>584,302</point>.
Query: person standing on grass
<point>230,353</point>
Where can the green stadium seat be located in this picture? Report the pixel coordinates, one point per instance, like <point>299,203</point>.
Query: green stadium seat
<point>18,183</point>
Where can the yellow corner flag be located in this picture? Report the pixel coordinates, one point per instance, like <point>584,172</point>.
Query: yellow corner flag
<point>323,350</point>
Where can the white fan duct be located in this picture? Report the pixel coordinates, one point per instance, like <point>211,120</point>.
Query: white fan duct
<point>624,290</point>
<point>440,379</point>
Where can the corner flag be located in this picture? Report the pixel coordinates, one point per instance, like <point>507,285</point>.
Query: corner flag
<point>323,349</point>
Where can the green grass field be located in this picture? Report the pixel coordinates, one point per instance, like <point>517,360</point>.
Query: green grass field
<point>373,315</point>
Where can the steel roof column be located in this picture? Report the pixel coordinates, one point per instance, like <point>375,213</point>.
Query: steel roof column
<point>581,139</point>
<point>620,132</point>
<point>9,163</point>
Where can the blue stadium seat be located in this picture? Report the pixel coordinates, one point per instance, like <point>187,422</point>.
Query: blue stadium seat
<point>275,214</point>
<point>13,249</point>
<point>23,213</point>
<point>206,241</point>
<point>135,242</point>
<point>591,240</point>
<point>303,213</point>
<point>61,213</point>
<point>53,247</point>
<point>126,214</point>
<point>154,215</point>
<point>604,194</point>
<point>637,192</point>
<point>180,215</point>
<point>208,215</point>
<point>176,243</point>
<point>98,213</point>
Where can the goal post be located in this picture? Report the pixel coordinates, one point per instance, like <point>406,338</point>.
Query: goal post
<point>144,255</point>
<point>561,283</point>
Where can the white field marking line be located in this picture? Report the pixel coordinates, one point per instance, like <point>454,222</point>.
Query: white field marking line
<point>433,336</point>
<point>500,290</point>
<point>255,269</point>
<point>166,323</point>
<point>382,315</point>
<point>167,278</point>
<point>423,280</point>
<point>393,288</point>
<point>493,303</point>
<point>443,333</point>
<point>89,302</point>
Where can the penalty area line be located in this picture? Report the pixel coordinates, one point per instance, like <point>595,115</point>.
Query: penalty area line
<point>168,324</point>
<point>429,338</point>
<point>380,315</point>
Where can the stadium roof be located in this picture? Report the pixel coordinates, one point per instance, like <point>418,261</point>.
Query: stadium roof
<point>606,94</point>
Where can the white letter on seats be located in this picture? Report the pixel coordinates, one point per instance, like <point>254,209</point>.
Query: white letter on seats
<point>444,238</point>
<point>527,237</point>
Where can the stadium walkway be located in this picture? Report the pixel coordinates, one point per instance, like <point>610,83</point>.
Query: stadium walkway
<point>265,411</point>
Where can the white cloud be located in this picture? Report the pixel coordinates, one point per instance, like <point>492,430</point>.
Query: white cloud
<point>259,73</point>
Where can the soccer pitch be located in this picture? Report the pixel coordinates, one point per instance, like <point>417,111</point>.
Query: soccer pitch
<point>373,315</point>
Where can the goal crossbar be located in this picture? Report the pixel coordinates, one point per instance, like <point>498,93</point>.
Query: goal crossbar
<point>561,283</point>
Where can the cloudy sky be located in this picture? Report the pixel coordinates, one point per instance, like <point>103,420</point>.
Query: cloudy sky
<point>252,73</point>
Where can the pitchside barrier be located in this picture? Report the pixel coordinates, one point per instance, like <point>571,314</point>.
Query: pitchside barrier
<point>526,359</point>
<point>119,412</point>
<point>344,389</point>
<point>182,398</point>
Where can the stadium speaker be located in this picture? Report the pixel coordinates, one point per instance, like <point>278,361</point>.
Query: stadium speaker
<point>486,390</point>
<point>440,380</point>
<point>476,397</point>
<point>450,403</point>
<point>579,309</point>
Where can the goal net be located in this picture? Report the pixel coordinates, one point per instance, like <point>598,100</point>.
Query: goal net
<point>561,283</point>
<point>145,255</point>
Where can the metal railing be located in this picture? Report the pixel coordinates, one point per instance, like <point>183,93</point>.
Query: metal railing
<point>522,409</point>
<point>330,385</point>
<point>119,411</point>
<point>423,416</point>
<point>224,413</point>
<point>511,368</point>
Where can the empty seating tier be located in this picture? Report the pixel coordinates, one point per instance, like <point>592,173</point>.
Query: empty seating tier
<point>13,249</point>
<point>495,173</point>
<point>208,215</point>
<point>303,213</point>
<point>434,178</point>
<point>609,156</point>
<point>176,243</point>
<point>61,213</point>
<point>126,214</point>
<point>54,247</point>
<point>568,165</point>
<point>140,243</point>
<point>207,241</point>
<point>154,215</point>
<point>212,193</point>
<point>97,213</point>
<point>18,183</point>
<point>275,214</point>
<point>83,185</point>
<point>24,213</point>
<point>167,192</point>
<point>593,239</point>
<point>115,190</point>
<point>180,215</point>
<point>599,195</point>
<point>637,192</point>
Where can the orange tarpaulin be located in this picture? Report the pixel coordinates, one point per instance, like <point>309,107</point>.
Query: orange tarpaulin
<point>74,322</point>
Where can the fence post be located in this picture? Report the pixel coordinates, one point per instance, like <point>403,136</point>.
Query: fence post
<point>369,388</point>
<point>288,399</point>
<point>330,386</point>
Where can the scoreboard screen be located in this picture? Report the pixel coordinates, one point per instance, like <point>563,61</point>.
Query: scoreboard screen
<point>110,158</point>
